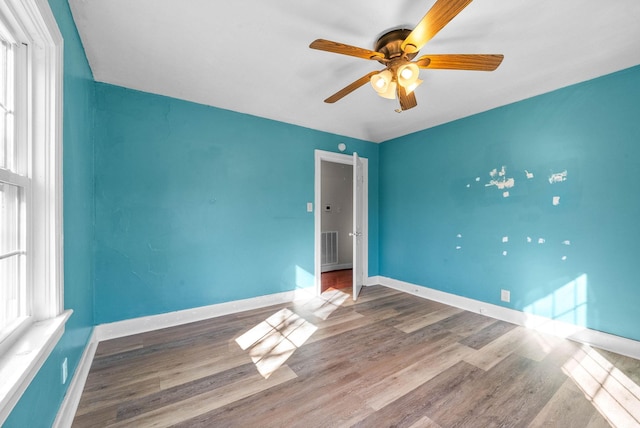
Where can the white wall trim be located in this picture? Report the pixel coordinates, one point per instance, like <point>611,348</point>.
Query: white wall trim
<point>609,342</point>
<point>69,406</point>
<point>155,322</point>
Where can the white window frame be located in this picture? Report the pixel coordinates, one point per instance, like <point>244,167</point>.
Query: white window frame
<point>24,352</point>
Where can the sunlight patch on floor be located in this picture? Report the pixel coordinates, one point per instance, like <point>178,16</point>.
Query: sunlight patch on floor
<point>325,304</point>
<point>611,392</point>
<point>274,340</point>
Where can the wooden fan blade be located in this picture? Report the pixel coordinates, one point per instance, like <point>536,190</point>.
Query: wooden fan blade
<point>480,62</point>
<point>350,88</point>
<point>407,101</point>
<point>340,48</point>
<point>438,16</point>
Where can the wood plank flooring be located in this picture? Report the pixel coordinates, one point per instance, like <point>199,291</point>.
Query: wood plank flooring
<point>338,279</point>
<point>389,359</point>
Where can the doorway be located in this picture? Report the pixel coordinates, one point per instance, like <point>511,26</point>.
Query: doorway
<point>345,227</point>
<point>336,222</point>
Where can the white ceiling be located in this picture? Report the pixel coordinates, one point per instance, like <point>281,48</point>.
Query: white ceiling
<point>252,56</point>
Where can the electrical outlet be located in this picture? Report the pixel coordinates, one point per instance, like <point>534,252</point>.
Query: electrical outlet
<point>505,295</point>
<point>64,371</point>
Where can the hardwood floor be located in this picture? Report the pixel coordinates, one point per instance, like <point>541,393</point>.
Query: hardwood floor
<point>338,279</point>
<point>390,359</point>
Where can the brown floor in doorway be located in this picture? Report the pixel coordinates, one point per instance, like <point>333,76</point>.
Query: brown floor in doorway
<point>337,279</point>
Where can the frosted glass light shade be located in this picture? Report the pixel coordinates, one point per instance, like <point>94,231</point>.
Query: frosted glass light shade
<point>408,74</point>
<point>384,84</point>
<point>381,81</point>
<point>390,92</point>
<point>413,86</point>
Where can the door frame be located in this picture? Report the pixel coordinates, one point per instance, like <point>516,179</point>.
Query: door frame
<point>321,155</point>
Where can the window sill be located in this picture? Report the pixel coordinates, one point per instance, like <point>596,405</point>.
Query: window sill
<point>22,361</point>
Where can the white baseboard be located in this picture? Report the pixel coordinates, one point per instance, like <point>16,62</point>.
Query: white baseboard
<point>69,406</point>
<point>155,322</point>
<point>609,342</point>
<point>374,280</point>
<point>330,268</point>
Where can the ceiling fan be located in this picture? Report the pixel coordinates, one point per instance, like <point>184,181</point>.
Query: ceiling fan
<point>397,48</point>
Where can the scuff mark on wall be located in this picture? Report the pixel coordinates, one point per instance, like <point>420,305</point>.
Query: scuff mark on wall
<point>558,177</point>
<point>158,262</point>
<point>500,180</point>
<point>532,190</point>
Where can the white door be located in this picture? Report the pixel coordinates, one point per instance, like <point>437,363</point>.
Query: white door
<point>357,234</point>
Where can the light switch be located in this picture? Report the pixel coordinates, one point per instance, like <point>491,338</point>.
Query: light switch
<point>309,207</point>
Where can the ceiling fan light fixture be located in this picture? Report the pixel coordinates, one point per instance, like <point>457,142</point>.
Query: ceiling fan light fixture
<point>396,50</point>
<point>390,92</point>
<point>408,74</point>
<point>382,81</point>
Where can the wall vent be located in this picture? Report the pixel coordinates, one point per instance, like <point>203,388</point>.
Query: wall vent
<point>329,248</point>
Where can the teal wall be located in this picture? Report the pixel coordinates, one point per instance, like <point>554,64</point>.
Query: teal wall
<point>196,205</point>
<point>39,404</point>
<point>429,195</point>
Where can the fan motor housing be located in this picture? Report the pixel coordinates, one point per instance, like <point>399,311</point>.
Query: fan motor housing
<point>389,44</point>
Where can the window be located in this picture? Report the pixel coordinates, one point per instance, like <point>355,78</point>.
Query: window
<point>14,185</point>
<point>31,271</point>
